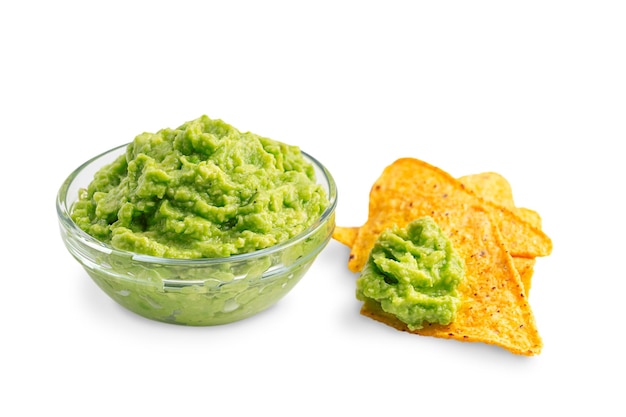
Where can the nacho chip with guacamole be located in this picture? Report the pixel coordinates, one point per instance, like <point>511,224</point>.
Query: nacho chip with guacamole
<point>494,305</point>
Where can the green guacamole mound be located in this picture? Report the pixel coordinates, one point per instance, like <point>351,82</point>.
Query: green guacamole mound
<point>413,273</point>
<point>202,190</point>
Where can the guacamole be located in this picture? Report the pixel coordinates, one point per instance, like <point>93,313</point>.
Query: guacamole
<point>202,190</point>
<point>413,273</point>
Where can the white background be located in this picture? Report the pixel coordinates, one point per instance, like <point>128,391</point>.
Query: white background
<point>534,90</point>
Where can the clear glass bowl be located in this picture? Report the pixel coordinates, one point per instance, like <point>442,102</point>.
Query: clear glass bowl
<point>197,292</point>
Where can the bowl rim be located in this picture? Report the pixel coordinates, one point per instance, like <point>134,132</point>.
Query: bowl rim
<point>63,214</point>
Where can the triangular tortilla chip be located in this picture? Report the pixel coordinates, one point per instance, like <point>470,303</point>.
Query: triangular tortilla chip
<point>494,308</point>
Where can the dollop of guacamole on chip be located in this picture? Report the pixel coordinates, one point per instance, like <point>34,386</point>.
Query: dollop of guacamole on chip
<point>413,273</point>
<point>202,190</point>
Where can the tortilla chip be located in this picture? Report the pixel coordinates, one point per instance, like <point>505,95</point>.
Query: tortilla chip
<point>486,232</point>
<point>494,308</point>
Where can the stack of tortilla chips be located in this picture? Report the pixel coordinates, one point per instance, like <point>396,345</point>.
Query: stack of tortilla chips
<point>498,242</point>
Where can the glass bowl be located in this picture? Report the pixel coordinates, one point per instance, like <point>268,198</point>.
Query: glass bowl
<point>195,292</point>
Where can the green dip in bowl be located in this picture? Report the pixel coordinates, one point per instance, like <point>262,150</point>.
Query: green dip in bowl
<point>198,225</point>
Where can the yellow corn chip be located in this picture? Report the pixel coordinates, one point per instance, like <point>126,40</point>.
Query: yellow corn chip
<point>494,308</point>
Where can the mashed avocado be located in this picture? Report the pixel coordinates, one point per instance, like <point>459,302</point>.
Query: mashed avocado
<point>202,190</point>
<point>413,273</point>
